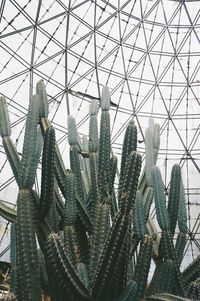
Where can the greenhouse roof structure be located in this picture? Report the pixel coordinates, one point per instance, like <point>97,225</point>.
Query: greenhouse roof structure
<point>146,51</point>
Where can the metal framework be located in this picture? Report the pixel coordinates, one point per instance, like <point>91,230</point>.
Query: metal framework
<point>147,52</point>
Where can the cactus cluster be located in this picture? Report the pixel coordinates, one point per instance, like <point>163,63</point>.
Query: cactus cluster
<point>95,238</point>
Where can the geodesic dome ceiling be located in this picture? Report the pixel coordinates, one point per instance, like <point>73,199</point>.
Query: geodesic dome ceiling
<point>146,51</point>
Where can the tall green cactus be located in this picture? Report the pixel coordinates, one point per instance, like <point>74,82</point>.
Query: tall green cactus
<point>88,231</point>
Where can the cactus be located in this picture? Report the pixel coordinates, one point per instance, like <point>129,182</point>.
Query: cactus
<point>12,156</point>
<point>28,163</point>
<point>42,97</point>
<point>160,199</point>
<point>89,231</point>
<point>47,185</point>
<point>27,250</point>
<point>5,127</point>
<point>174,195</point>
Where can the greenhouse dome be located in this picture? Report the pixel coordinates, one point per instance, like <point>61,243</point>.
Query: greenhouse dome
<point>147,52</point>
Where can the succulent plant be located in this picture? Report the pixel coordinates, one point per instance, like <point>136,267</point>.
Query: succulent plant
<point>88,230</point>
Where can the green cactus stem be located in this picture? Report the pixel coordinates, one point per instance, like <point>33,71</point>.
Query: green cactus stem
<point>28,161</point>
<point>182,210</point>
<point>47,183</point>
<point>129,144</point>
<point>13,258</point>
<point>142,266</point>
<point>180,246</point>
<point>71,244</point>
<point>70,199</point>
<point>128,185</point>
<point>93,128</point>
<point>43,102</point>
<point>5,126</point>
<point>27,250</point>
<point>108,259</point>
<point>150,161</point>
<point>100,232</point>
<point>12,156</point>
<point>104,155</point>
<point>139,225</point>
<point>160,200</point>
<point>174,195</point>
<point>64,273</point>
<point>167,277</point>
<point>119,278</point>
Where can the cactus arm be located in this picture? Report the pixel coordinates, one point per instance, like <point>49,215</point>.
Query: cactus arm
<point>93,155</point>
<point>28,161</point>
<point>63,270</point>
<point>100,232</point>
<point>60,170</point>
<point>84,215</point>
<point>174,195</point>
<point>160,200</point>
<point>113,169</point>
<point>71,244</point>
<point>182,211</point>
<point>43,102</point>
<point>104,154</point>
<point>113,205</point>
<point>118,280</point>
<point>13,258</point>
<point>128,185</point>
<point>94,181</point>
<point>150,162</point>
<point>70,235</point>
<point>104,145</point>
<point>129,144</point>
<point>93,128</point>
<point>7,212</point>
<point>155,283</point>
<point>70,199</point>
<point>139,227</point>
<point>167,278</point>
<point>12,156</point>
<point>39,144</point>
<point>156,136</point>
<point>59,201</point>
<point>147,199</point>
<point>169,253</point>
<point>75,166</point>
<point>109,256</point>
<point>142,267</point>
<point>180,246</point>
<point>27,249</point>
<point>5,127</point>
<point>105,99</point>
<point>47,183</point>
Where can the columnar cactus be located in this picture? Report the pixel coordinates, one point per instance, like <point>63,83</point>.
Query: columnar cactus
<point>88,234</point>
